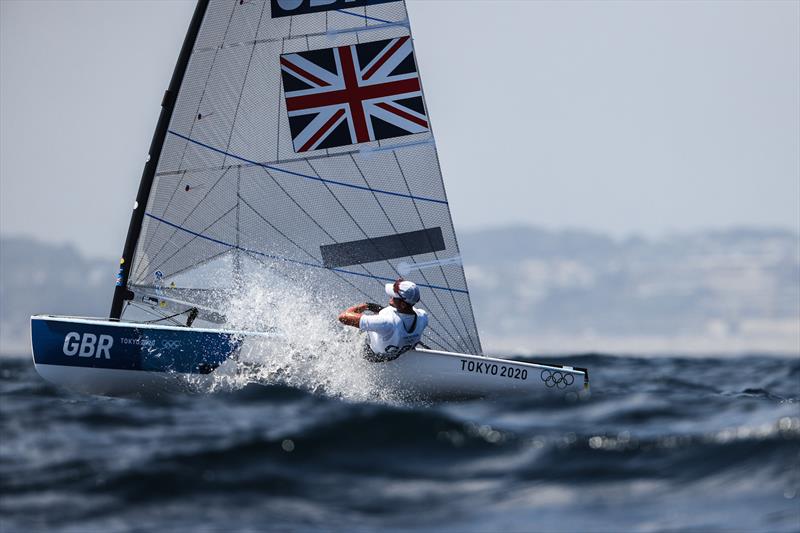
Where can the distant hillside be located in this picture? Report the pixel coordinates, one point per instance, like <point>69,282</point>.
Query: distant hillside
<point>45,278</point>
<point>735,290</point>
<point>533,290</point>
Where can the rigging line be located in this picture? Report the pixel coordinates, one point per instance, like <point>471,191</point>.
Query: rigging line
<point>358,151</point>
<point>394,228</point>
<point>154,313</point>
<point>179,250</point>
<point>364,233</point>
<point>284,259</point>
<point>444,276</point>
<point>170,317</point>
<point>314,178</point>
<point>152,240</point>
<point>364,16</point>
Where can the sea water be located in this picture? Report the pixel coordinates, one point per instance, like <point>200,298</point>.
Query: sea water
<point>664,443</point>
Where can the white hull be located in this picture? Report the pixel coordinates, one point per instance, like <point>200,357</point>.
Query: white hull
<point>437,374</point>
<point>139,369</point>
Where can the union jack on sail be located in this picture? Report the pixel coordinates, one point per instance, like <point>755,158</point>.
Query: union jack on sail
<point>353,94</point>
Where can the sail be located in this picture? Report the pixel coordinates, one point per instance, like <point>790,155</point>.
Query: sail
<point>300,143</point>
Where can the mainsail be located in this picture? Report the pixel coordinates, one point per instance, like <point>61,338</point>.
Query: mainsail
<point>296,138</point>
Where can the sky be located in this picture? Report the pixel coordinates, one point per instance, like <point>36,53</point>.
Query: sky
<point>626,118</point>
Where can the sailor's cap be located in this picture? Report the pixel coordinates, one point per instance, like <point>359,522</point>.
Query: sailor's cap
<point>404,290</point>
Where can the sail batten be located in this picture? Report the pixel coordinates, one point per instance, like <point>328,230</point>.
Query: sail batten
<point>302,140</point>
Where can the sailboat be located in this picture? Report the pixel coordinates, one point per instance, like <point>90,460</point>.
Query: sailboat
<point>294,140</point>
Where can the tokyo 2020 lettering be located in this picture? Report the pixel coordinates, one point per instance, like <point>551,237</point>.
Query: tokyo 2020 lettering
<point>493,369</point>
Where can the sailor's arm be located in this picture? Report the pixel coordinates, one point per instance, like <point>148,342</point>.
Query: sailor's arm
<point>352,316</point>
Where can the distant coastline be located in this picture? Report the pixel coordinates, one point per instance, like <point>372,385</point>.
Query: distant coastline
<point>534,291</point>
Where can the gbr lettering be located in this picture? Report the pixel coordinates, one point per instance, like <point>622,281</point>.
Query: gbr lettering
<point>88,345</point>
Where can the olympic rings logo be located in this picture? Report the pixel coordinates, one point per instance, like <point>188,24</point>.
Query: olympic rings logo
<point>554,378</point>
<point>170,345</point>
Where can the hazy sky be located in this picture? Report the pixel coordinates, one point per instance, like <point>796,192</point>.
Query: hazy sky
<point>625,118</point>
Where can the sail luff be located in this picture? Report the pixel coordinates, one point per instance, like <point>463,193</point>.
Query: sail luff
<point>121,291</point>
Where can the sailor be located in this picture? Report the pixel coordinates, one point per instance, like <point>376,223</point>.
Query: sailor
<point>392,330</point>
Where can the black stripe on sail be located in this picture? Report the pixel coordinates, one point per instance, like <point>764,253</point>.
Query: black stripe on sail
<point>382,248</point>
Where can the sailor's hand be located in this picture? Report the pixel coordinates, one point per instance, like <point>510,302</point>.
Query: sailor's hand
<point>360,308</point>
<point>375,308</point>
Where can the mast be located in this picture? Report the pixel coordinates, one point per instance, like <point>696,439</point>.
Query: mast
<point>121,292</point>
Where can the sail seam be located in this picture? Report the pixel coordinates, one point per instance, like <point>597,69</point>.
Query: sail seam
<point>306,176</point>
<point>286,259</point>
<point>361,151</point>
<point>179,249</point>
<point>355,29</point>
<point>365,17</point>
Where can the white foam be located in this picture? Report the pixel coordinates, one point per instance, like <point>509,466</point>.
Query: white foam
<point>315,353</point>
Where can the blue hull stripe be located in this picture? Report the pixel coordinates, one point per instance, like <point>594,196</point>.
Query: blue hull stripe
<point>77,344</point>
